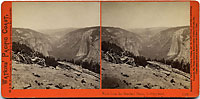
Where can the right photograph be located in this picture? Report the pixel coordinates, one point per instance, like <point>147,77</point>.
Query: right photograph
<point>145,45</point>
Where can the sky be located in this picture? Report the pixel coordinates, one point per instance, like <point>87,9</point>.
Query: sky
<point>145,14</point>
<point>54,15</point>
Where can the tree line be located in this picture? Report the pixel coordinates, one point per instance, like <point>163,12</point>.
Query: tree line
<point>91,65</point>
<point>118,52</point>
<point>29,53</point>
<point>181,65</point>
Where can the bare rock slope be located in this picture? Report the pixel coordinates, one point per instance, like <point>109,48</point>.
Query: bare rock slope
<point>153,76</point>
<point>65,76</point>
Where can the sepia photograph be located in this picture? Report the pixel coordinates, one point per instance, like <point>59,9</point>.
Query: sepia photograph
<point>55,45</point>
<point>99,48</point>
<point>145,45</point>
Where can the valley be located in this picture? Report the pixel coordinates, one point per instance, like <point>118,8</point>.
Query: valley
<point>41,61</point>
<point>153,58</point>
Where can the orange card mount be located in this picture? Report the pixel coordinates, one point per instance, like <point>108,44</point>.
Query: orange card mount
<point>60,49</point>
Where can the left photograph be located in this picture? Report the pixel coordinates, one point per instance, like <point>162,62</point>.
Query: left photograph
<point>55,45</point>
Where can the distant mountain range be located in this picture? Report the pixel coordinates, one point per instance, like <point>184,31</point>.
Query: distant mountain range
<point>57,33</point>
<point>84,44</point>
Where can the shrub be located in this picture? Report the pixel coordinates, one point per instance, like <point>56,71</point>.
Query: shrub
<point>140,60</point>
<point>51,61</point>
<point>111,47</point>
<point>22,48</point>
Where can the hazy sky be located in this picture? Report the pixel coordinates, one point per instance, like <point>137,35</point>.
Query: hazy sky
<point>145,14</point>
<point>52,15</point>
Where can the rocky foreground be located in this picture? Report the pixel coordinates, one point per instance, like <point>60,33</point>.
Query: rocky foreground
<point>154,76</point>
<point>65,76</point>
